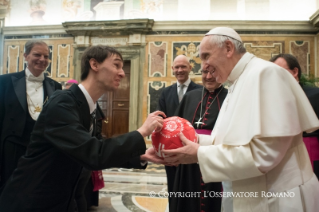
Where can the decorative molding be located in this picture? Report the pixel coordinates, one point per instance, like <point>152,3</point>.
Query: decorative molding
<point>314,19</point>
<point>33,30</point>
<point>241,27</point>
<point>109,28</point>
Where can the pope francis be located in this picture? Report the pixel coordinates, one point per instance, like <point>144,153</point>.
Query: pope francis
<point>256,147</point>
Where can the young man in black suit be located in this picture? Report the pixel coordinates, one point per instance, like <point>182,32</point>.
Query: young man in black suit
<point>62,142</point>
<point>22,96</point>
<point>170,98</point>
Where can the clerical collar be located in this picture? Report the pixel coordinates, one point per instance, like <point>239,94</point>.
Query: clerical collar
<point>186,83</point>
<point>89,99</point>
<point>239,67</point>
<point>28,75</point>
<point>216,90</point>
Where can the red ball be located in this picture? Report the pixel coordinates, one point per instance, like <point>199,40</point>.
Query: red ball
<point>168,137</point>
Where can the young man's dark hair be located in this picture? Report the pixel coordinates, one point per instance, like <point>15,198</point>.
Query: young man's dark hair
<point>99,53</point>
<point>292,62</point>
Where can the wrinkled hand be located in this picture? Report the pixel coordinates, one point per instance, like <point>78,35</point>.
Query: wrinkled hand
<point>183,155</point>
<point>153,122</point>
<point>150,155</point>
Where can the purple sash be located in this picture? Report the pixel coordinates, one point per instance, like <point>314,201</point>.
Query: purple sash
<point>203,131</point>
<point>312,146</point>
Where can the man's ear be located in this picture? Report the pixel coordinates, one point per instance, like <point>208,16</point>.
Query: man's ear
<point>295,73</point>
<point>230,48</point>
<point>94,64</point>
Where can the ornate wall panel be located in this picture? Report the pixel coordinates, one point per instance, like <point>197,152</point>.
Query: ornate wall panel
<point>157,59</point>
<point>190,50</point>
<point>63,62</point>
<point>301,50</point>
<point>154,90</point>
<point>12,58</point>
<point>265,49</point>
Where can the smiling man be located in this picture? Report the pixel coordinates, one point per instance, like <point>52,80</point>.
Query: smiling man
<point>62,142</point>
<point>22,96</point>
<point>172,95</point>
<point>256,145</point>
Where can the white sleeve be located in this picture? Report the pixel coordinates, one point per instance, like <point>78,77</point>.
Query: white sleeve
<point>229,163</point>
<point>205,140</point>
<point>268,152</point>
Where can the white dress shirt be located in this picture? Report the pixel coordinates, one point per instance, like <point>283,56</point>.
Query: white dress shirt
<point>34,90</point>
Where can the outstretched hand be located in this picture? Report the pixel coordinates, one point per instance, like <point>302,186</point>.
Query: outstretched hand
<point>150,155</point>
<point>183,155</point>
<point>153,122</point>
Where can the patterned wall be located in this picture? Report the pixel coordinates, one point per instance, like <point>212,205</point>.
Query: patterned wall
<point>161,51</point>
<point>61,58</point>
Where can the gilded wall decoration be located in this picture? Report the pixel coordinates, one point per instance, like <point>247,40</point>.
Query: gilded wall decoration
<point>265,49</point>
<point>157,59</point>
<point>12,59</point>
<point>63,67</point>
<point>191,51</point>
<point>154,90</point>
<point>301,50</point>
<point>70,9</point>
<point>37,11</point>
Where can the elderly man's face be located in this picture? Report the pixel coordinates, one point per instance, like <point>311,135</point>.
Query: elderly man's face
<point>209,82</point>
<point>214,60</point>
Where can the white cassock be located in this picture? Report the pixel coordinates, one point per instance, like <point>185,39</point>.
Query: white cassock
<point>257,141</point>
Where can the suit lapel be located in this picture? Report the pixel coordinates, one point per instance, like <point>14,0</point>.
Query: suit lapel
<point>19,86</point>
<point>174,92</point>
<point>83,104</point>
<point>49,86</point>
<point>190,86</point>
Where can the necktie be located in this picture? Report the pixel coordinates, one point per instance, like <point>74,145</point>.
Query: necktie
<point>92,122</point>
<point>181,92</point>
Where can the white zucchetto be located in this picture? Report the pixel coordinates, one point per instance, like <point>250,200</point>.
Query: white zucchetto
<point>225,31</point>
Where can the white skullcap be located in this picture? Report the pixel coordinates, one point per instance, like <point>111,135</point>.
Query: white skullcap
<point>226,31</point>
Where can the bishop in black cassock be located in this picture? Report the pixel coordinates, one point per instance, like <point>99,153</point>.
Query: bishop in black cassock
<point>200,107</point>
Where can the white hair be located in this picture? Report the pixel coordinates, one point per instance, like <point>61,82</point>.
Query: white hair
<point>220,40</point>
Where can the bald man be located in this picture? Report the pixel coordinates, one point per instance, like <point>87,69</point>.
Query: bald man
<point>170,98</point>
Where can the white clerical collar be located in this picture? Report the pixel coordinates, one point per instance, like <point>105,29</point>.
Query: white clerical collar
<point>28,75</point>
<point>186,83</point>
<point>89,99</point>
<point>239,67</point>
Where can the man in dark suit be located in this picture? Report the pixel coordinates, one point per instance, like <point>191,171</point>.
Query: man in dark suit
<point>22,96</point>
<point>62,142</point>
<point>170,98</point>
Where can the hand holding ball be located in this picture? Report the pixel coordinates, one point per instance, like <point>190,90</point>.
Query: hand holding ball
<point>168,137</point>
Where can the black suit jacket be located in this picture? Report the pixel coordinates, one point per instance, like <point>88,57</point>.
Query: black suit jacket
<point>168,101</point>
<point>47,175</point>
<point>13,104</point>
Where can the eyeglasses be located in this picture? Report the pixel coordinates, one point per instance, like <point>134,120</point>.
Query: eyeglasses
<point>205,72</point>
